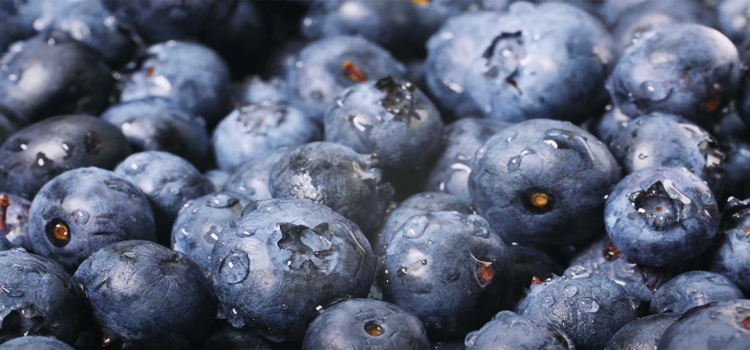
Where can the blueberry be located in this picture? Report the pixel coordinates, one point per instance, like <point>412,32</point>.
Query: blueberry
<point>508,330</point>
<point>459,143</point>
<point>660,140</point>
<point>38,298</point>
<point>218,178</point>
<point>352,323</point>
<point>36,154</point>
<point>191,75</point>
<point>275,266</point>
<point>237,32</point>
<point>588,308</point>
<point>252,130</point>
<point>389,118</point>
<point>610,124</point>
<point>723,325</point>
<point>449,269</point>
<point>734,19</point>
<point>142,294</point>
<point>168,182</point>
<point>14,217</point>
<point>53,74</point>
<point>641,334</point>
<point>531,265</point>
<point>83,210</point>
<point>683,69</point>
<point>200,222</point>
<point>35,343</point>
<point>543,182</point>
<point>257,90</point>
<point>731,256</point>
<point>251,178</point>
<point>691,289</point>
<point>336,176</point>
<point>227,337</point>
<point>157,124</point>
<point>326,67</point>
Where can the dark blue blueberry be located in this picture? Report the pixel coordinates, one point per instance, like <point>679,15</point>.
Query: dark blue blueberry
<point>449,269</point>
<point>191,75</point>
<point>53,74</point>
<point>663,140</point>
<point>691,289</point>
<point>168,182</point>
<point>36,154</point>
<point>610,124</point>
<point>723,325</point>
<point>9,123</point>
<point>157,124</point>
<point>38,298</point>
<point>336,176</point>
<point>545,61</point>
<point>252,130</point>
<point>451,53</point>
<point>35,343</point>
<point>251,178</point>
<point>239,35</point>
<point>731,257</point>
<point>662,216</point>
<point>687,70</point>
<point>83,210</point>
<point>543,182</point>
<point>389,118</point>
<point>641,334</point>
<point>603,258</point>
<point>10,31</point>
<point>420,203</point>
<point>588,308</point>
<point>142,294</point>
<point>162,20</point>
<point>734,19</point>
<point>200,221</point>
<point>326,67</point>
<point>282,261</point>
<point>14,217</point>
<point>257,90</point>
<point>432,14</point>
<point>218,178</point>
<point>353,323</point>
<point>459,143</point>
<point>508,330</point>
<point>531,265</point>
<point>228,338</point>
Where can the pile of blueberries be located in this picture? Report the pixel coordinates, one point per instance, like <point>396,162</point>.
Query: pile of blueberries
<point>375,174</point>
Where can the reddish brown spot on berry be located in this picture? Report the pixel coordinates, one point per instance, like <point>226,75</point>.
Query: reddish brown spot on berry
<point>4,204</point>
<point>421,2</point>
<point>611,251</point>
<point>150,72</point>
<point>659,209</point>
<point>747,229</point>
<point>713,103</point>
<point>353,72</point>
<point>536,280</point>
<point>746,323</point>
<point>485,272</point>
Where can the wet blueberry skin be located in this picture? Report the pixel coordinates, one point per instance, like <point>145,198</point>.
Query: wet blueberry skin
<point>420,203</point>
<point>35,343</point>
<point>543,182</point>
<point>660,140</point>
<point>42,299</point>
<point>14,217</point>
<point>691,289</point>
<point>284,258</point>
<point>731,256</point>
<point>200,222</point>
<point>52,74</point>
<point>508,330</point>
<point>83,210</point>
<point>547,61</point>
<point>192,75</point>
<point>336,176</point>
<point>168,182</point>
<point>389,118</point>
<point>36,154</point>
<point>665,72</point>
<point>641,334</point>
<point>722,325</point>
<point>449,269</point>
<point>142,294</point>
<point>251,178</point>
<point>662,216</point>
<point>459,143</point>
<point>252,130</point>
<point>157,124</point>
<point>354,322</point>
<point>320,72</point>
<point>588,308</point>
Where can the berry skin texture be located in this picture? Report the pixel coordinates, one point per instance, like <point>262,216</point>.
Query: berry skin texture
<point>693,289</point>
<point>724,325</point>
<point>508,330</point>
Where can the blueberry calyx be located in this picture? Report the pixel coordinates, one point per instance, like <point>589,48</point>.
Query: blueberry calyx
<point>661,204</point>
<point>538,200</point>
<point>309,247</point>
<point>374,328</point>
<point>58,232</point>
<point>399,98</point>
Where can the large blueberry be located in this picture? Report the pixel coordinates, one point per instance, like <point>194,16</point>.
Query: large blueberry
<point>691,289</point>
<point>142,294</point>
<point>39,298</point>
<point>39,152</point>
<point>83,210</point>
<point>723,325</point>
<point>543,182</point>
<point>508,330</point>
<point>662,216</point>
<point>449,269</point>
<point>251,178</point>
<point>274,267</point>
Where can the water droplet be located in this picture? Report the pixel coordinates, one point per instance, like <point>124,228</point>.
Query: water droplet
<point>471,339</point>
<point>234,268</point>
<point>403,270</point>
<point>576,272</point>
<point>570,291</point>
<point>655,91</point>
<point>588,305</point>
<point>548,302</point>
<point>414,228</point>
<point>81,217</point>
<point>43,166</point>
<point>68,149</point>
<point>222,200</point>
